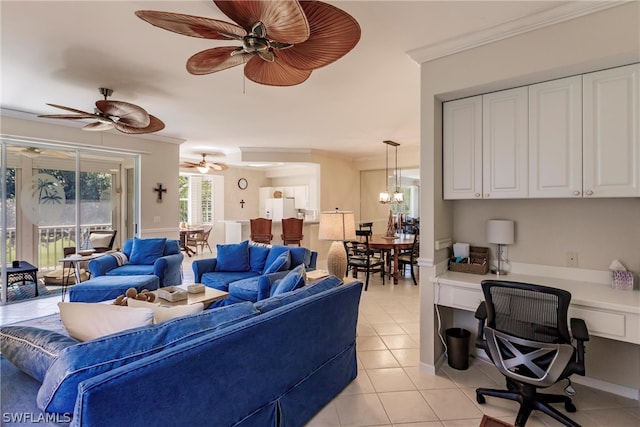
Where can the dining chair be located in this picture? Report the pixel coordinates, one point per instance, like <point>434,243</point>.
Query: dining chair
<point>291,231</point>
<point>200,239</point>
<point>410,258</point>
<point>362,258</point>
<point>261,230</point>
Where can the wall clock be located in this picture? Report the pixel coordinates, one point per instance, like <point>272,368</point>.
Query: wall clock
<point>242,183</point>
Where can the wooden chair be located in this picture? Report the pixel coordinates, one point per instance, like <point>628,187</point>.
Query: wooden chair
<point>200,239</point>
<point>410,258</point>
<point>291,231</point>
<point>261,230</point>
<point>361,258</point>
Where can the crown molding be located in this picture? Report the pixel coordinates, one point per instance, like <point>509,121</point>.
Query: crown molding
<point>509,29</point>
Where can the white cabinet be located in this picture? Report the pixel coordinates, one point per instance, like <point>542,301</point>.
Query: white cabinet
<point>504,144</point>
<point>555,138</point>
<point>301,196</point>
<point>462,149</point>
<point>611,127</point>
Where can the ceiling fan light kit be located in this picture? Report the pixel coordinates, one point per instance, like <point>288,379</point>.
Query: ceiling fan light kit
<point>282,41</point>
<point>203,166</point>
<point>110,114</point>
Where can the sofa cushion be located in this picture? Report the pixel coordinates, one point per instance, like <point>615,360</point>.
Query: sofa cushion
<point>293,280</point>
<point>171,247</point>
<point>104,288</point>
<point>274,252</point>
<point>251,289</point>
<point>91,358</point>
<point>304,292</point>
<point>281,263</point>
<point>220,280</point>
<point>31,349</point>
<point>258,257</point>
<point>300,256</point>
<point>146,251</point>
<point>87,321</point>
<point>131,270</point>
<point>233,257</point>
<point>164,313</point>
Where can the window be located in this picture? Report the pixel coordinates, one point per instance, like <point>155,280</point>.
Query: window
<point>196,199</point>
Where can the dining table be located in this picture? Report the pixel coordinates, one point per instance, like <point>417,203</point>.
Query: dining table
<point>395,245</point>
<point>185,232</point>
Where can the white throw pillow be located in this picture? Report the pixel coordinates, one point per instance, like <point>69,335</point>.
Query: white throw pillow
<point>165,313</point>
<point>100,240</point>
<point>86,321</point>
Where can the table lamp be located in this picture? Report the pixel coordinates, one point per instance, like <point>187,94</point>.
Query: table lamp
<point>337,226</point>
<point>500,232</point>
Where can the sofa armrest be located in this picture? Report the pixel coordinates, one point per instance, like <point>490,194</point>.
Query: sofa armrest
<point>201,266</point>
<point>168,269</point>
<point>102,265</point>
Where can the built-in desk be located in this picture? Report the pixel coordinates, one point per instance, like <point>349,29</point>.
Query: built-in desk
<point>608,312</point>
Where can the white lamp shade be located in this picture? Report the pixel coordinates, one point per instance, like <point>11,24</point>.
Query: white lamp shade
<point>500,231</point>
<point>337,226</point>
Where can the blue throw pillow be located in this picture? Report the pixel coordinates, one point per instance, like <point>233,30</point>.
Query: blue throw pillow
<point>281,263</point>
<point>233,257</point>
<point>274,252</point>
<point>258,257</point>
<point>293,280</point>
<point>146,251</point>
<point>172,247</point>
<point>300,256</point>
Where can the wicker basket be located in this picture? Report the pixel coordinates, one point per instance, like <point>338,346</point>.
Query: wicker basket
<point>479,257</point>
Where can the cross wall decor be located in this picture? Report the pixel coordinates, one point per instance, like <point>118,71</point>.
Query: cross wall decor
<point>159,190</point>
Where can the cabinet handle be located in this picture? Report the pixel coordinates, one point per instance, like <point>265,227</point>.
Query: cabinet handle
<point>576,193</point>
<point>477,194</point>
<point>589,193</point>
<point>487,195</point>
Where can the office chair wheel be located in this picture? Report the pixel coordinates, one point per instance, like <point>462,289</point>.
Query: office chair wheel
<point>569,407</point>
<point>480,399</point>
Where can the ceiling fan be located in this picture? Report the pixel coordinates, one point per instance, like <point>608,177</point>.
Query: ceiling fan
<point>33,152</point>
<point>109,114</point>
<point>283,41</point>
<point>203,166</point>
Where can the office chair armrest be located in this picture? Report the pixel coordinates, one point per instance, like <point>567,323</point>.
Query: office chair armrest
<point>579,329</point>
<point>580,334</point>
<point>481,312</point>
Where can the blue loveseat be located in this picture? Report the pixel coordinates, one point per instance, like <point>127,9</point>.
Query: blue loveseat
<point>158,256</point>
<point>276,362</point>
<point>248,270</point>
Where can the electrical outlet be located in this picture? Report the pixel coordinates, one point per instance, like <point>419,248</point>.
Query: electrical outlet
<point>571,259</point>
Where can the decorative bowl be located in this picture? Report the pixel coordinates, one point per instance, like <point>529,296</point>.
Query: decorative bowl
<point>86,252</point>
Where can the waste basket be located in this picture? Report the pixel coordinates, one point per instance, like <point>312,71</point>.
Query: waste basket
<point>458,347</point>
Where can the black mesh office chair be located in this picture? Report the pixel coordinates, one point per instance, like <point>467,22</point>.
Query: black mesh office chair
<point>523,329</point>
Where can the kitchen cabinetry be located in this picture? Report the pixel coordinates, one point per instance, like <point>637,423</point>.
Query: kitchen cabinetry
<point>301,196</point>
<point>572,137</point>
<point>504,144</point>
<point>462,149</point>
<point>485,146</point>
<point>555,138</point>
<point>611,144</point>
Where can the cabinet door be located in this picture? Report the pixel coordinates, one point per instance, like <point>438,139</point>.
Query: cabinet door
<point>611,126</point>
<point>555,138</point>
<point>462,148</point>
<point>504,144</point>
<point>301,195</point>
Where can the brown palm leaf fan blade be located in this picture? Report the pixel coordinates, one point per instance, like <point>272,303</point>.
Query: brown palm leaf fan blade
<point>109,114</point>
<point>282,41</point>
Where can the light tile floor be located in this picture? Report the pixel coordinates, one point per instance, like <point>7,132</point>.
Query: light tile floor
<point>392,391</point>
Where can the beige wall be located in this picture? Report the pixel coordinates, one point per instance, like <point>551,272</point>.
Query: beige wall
<point>599,230</point>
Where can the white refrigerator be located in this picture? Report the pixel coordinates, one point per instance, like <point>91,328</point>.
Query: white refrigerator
<point>276,209</point>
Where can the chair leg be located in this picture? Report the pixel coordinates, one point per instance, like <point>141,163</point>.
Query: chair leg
<point>413,276</point>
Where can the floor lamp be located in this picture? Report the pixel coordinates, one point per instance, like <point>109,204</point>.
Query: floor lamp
<point>500,232</point>
<point>337,226</point>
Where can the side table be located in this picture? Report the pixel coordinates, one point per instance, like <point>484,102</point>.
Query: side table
<point>22,273</point>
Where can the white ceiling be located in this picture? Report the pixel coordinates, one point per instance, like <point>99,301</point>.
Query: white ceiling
<point>61,52</point>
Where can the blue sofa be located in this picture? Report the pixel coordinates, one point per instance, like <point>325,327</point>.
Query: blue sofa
<point>158,256</point>
<point>276,362</point>
<point>248,270</point>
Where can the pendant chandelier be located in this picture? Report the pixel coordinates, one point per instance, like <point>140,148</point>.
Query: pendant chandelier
<point>385,196</point>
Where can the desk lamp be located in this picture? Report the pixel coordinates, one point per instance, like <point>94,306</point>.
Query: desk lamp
<point>500,232</point>
<point>337,226</point>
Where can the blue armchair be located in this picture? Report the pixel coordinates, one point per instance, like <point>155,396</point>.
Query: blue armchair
<point>161,257</point>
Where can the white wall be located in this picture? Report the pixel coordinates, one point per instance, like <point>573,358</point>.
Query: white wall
<point>599,230</point>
